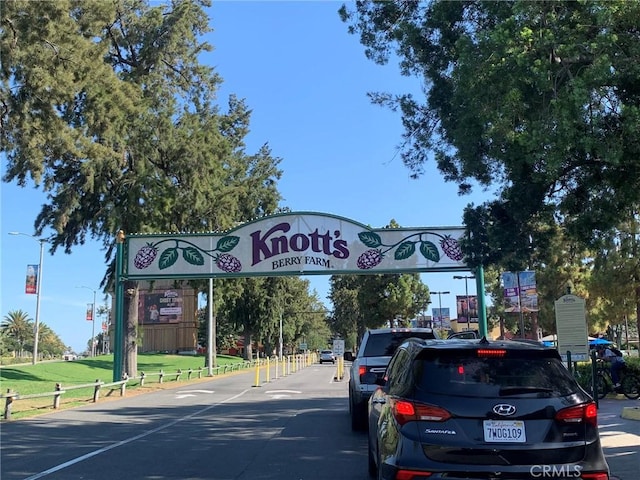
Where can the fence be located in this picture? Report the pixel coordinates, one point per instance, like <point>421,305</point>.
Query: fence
<point>286,366</point>
<point>60,390</point>
<point>11,397</point>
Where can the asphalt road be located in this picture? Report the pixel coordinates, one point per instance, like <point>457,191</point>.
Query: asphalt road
<point>293,428</point>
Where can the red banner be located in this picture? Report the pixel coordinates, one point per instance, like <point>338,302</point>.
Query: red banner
<point>90,312</point>
<point>31,285</point>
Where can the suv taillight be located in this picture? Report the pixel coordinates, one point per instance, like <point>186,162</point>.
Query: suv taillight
<point>406,411</point>
<point>595,476</point>
<point>411,475</point>
<point>579,413</point>
<point>362,370</point>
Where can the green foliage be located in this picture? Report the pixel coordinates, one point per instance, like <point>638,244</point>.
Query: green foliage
<point>254,306</point>
<point>17,331</point>
<point>374,301</point>
<point>584,372</point>
<point>108,109</point>
<point>539,101</point>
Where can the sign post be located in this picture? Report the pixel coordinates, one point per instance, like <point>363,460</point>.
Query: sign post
<point>571,325</point>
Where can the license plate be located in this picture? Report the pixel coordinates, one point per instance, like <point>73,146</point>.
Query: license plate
<point>504,431</point>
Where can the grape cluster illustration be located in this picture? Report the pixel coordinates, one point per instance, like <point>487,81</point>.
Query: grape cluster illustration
<point>406,248</point>
<point>191,253</point>
<point>369,259</point>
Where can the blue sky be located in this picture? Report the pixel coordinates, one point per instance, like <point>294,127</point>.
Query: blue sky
<point>306,79</point>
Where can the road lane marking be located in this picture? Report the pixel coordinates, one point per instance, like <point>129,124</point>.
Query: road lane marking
<point>196,391</point>
<point>190,393</point>
<point>129,440</point>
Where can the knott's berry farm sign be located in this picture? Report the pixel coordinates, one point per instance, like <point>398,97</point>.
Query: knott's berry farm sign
<point>293,244</point>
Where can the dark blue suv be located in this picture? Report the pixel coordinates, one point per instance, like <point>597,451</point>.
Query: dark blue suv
<point>479,409</point>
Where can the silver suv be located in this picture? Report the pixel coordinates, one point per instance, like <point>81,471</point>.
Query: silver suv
<point>375,352</point>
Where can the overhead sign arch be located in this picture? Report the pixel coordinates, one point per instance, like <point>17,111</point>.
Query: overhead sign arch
<point>294,243</point>
<point>303,243</point>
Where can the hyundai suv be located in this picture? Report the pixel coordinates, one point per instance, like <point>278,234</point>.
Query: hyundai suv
<point>479,409</point>
<point>373,356</point>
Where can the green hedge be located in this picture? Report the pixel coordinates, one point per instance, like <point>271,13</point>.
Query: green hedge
<point>583,371</point>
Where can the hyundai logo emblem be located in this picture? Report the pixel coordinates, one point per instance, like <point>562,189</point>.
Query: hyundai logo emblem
<point>504,409</point>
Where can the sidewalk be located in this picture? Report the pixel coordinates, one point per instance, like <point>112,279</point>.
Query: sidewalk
<point>620,437</point>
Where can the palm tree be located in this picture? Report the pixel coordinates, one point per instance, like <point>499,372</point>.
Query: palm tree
<point>50,343</point>
<point>18,328</point>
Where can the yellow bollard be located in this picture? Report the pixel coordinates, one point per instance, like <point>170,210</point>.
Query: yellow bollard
<point>257,382</point>
<point>276,361</point>
<point>268,371</point>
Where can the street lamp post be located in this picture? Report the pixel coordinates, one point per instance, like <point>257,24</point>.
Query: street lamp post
<point>36,328</point>
<point>440,304</point>
<point>466,293</point>
<point>93,320</point>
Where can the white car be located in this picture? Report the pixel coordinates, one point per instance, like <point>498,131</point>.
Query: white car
<point>327,356</point>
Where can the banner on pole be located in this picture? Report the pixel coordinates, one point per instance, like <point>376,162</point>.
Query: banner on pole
<point>90,312</point>
<point>520,291</point>
<point>467,313</point>
<point>441,317</point>
<point>31,285</point>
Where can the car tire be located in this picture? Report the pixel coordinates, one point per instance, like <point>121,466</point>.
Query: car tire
<point>379,470</point>
<point>358,418</point>
<point>373,469</point>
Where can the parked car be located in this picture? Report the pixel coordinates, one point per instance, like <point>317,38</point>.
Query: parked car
<point>481,409</point>
<point>376,348</point>
<point>327,356</point>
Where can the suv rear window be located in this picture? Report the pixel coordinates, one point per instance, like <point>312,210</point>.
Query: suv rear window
<point>385,344</point>
<point>462,372</point>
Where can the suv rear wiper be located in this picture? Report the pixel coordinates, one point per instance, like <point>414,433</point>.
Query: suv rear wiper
<point>516,390</point>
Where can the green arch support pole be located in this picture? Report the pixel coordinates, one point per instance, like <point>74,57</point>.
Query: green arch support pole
<point>482,309</point>
<point>118,342</point>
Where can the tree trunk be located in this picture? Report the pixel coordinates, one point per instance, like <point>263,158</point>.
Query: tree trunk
<point>130,352</point>
<point>248,350</point>
<point>637,312</point>
<point>534,325</point>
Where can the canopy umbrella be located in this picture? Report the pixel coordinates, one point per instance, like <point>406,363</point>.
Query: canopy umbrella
<point>600,341</point>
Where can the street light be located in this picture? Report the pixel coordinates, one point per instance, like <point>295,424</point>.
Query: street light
<point>440,303</point>
<point>466,292</point>
<point>93,320</point>
<point>36,328</point>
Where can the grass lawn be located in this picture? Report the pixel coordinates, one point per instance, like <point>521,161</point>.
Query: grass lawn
<point>43,377</point>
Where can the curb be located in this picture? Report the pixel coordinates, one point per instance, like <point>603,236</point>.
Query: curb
<point>631,413</point>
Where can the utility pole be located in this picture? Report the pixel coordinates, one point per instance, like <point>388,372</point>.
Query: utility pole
<point>93,320</point>
<point>466,293</point>
<point>440,304</point>
<point>36,328</point>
